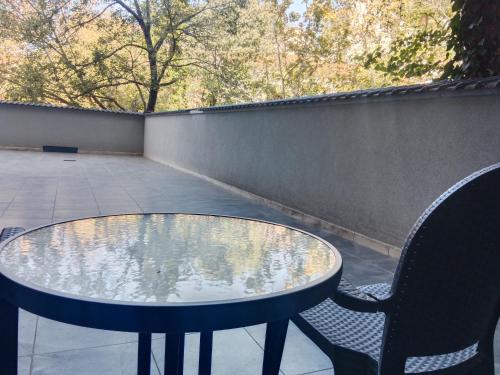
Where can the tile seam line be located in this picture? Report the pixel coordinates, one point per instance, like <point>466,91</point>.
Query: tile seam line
<point>55,199</point>
<point>124,187</point>
<point>253,338</point>
<point>10,203</point>
<point>90,347</point>
<point>91,190</point>
<point>282,372</point>
<point>317,371</point>
<point>155,361</point>
<point>33,346</point>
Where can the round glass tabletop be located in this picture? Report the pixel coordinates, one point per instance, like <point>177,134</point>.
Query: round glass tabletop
<point>167,258</point>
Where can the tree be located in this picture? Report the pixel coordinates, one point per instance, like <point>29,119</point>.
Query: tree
<point>146,55</point>
<point>475,40</point>
<point>106,52</point>
<point>226,75</point>
<point>418,39</point>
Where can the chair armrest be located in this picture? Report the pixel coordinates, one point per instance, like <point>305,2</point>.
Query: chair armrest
<point>352,298</point>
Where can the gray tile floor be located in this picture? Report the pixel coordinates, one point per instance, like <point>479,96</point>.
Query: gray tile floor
<point>40,188</point>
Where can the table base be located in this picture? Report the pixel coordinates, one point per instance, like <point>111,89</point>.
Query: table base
<point>9,320</point>
<point>174,351</point>
<point>174,354</point>
<point>144,354</point>
<point>174,347</point>
<point>205,361</point>
<point>273,348</point>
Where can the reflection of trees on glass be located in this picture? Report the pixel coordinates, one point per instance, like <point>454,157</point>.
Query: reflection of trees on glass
<point>167,257</point>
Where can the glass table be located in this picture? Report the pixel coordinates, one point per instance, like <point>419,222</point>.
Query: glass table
<point>168,273</point>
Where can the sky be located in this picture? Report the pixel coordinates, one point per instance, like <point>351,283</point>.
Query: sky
<point>298,6</point>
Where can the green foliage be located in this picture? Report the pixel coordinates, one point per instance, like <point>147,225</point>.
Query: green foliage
<point>418,45</point>
<point>411,56</point>
<point>475,39</point>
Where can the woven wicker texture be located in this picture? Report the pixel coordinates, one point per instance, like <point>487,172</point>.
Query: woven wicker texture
<point>357,331</point>
<point>362,332</point>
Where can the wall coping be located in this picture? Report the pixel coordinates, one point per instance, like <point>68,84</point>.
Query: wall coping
<point>445,87</point>
<point>71,108</point>
<point>477,86</point>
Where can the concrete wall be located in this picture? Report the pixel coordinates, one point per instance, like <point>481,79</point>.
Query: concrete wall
<point>29,126</point>
<point>370,165</point>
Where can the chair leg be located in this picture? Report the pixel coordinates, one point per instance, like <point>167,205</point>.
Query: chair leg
<point>487,367</point>
<point>487,348</point>
<point>346,362</point>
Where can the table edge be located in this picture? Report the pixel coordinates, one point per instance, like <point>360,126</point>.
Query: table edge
<point>28,295</point>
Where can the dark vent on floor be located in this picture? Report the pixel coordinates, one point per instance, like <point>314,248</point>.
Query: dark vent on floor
<point>71,150</point>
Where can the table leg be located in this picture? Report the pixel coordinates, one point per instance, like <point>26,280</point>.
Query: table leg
<point>273,349</point>
<point>9,320</point>
<point>205,360</point>
<point>144,354</point>
<point>174,354</point>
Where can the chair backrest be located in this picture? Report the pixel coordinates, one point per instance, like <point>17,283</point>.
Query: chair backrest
<point>446,290</point>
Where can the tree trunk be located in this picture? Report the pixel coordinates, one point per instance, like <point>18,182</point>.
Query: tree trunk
<point>155,84</point>
<point>153,96</point>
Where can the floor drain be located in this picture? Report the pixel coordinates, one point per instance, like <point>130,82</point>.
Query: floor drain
<point>69,160</point>
<point>72,150</point>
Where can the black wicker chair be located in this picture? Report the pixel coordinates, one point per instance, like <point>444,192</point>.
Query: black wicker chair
<point>8,232</point>
<point>440,313</point>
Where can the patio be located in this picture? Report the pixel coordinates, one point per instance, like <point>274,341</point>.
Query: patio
<point>40,188</point>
